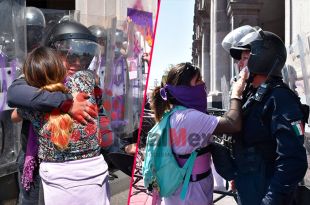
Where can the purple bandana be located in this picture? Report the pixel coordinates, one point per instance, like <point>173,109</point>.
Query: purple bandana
<point>30,159</point>
<point>190,96</point>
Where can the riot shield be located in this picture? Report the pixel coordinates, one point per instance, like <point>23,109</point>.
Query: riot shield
<point>124,82</point>
<point>296,75</point>
<point>12,55</point>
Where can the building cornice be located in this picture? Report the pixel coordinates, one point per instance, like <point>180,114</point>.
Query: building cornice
<point>235,8</point>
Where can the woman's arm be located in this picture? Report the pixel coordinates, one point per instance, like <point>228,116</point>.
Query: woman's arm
<point>231,122</point>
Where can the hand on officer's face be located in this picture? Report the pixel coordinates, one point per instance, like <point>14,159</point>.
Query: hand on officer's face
<point>244,73</point>
<point>239,85</point>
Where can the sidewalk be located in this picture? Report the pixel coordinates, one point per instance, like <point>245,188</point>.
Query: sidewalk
<point>145,199</point>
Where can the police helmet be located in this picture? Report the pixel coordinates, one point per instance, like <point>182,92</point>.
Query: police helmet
<point>101,34</point>
<point>232,38</point>
<point>66,30</point>
<point>119,38</point>
<point>268,52</point>
<point>34,17</point>
<point>74,42</point>
<point>35,24</point>
<point>98,31</point>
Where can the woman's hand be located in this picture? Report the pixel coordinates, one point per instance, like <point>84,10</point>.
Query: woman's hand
<point>239,85</point>
<point>82,110</point>
<point>131,148</point>
<point>15,117</point>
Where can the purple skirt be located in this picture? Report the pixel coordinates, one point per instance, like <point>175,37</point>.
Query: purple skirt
<point>76,182</point>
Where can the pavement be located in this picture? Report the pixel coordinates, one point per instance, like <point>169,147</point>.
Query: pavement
<point>227,200</point>
<point>119,188</point>
<point>120,198</point>
<point>140,197</point>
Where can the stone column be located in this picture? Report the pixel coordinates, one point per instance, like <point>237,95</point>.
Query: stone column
<point>288,23</point>
<point>204,15</point>
<point>199,50</point>
<point>220,62</point>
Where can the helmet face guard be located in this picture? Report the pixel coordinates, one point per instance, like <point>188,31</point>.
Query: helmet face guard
<point>34,37</point>
<point>268,52</point>
<point>232,38</point>
<point>79,54</point>
<point>243,44</point>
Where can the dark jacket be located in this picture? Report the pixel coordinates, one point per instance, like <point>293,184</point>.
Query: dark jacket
<point>22,95</point>
<point>273,134</point>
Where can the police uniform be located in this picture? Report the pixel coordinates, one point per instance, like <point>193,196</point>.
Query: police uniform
<point>269,152</point>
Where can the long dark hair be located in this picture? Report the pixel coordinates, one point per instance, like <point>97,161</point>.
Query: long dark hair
<point>43,69</point>
<point>181,74</point>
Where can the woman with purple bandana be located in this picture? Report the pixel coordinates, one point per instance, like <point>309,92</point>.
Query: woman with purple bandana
<point>192,128</point>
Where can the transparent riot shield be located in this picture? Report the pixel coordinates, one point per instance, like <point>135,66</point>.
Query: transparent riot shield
<point>124,82</point>
<point>12,55</point>
<point>140,40</point>
<point>296,75</point>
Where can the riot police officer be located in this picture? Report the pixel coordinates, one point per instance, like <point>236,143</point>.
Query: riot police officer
<point>268,153</point>
<point>35,24</point>
<point>101,33</point>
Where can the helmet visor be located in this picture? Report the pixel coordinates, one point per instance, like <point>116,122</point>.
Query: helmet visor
<point>235,36</point>
<point>250,37</point>
<point>244,43</point>
<point>79,54</point>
